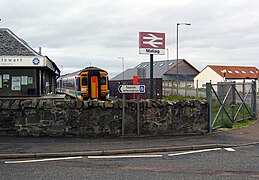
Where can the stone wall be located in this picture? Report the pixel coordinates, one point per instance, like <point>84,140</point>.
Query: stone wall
<point>56,117</point>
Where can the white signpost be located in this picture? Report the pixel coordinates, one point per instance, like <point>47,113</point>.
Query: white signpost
<point>131,89</point>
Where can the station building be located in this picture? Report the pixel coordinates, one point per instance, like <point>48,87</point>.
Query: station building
<point>23,71</point>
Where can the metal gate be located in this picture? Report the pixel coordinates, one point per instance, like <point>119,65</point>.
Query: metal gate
<point>230,102</point>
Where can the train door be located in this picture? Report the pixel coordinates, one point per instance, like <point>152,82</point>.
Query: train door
<point>94,87</point>
<point>84,85</point>
<point>104,86</point>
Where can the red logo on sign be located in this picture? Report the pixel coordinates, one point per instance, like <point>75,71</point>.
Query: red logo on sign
<point>152,40</point>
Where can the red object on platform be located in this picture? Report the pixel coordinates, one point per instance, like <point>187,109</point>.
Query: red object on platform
<point>135,80</point>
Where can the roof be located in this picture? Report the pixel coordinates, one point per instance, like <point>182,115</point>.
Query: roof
<point>236,72</point>
<point>165,69</point>
<point>12,45</point>
<point>90,68</point>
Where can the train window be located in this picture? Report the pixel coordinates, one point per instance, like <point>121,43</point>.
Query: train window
<point>77,84</point>
<point>69,83</point>
<point>103,80</point>
<point>84,81</point>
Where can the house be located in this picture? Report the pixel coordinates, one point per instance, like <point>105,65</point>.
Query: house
<point>216,73</point>
<point>23,71</point>
<point>165,69</point>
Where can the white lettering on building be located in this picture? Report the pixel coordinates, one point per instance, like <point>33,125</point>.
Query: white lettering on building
<point>10,61</point>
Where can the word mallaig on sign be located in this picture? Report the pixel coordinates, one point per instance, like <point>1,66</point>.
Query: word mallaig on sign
<point>152,43</point>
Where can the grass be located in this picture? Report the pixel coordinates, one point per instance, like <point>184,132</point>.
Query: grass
<point>242,124</point>
<point>223,120</point>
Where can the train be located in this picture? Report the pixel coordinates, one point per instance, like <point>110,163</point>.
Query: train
<point>88,83</point>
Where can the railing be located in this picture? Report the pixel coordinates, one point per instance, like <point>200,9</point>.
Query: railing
<point>230,102</point>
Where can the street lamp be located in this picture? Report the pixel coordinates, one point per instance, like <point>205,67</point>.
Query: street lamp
<point>122,58</point>
<point>177,73</point>
<point>167,58</point>
<point>224,74</point>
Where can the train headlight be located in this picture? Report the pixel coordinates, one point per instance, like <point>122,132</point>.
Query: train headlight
<point>83,89</point>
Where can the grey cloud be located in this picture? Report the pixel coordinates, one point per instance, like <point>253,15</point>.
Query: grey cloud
<point>72,33</point>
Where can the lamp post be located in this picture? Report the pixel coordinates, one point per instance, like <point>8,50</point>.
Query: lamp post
<point>122,59</point>
<point>177,60</point>
<point>224,74</point>
<point>167,58</point>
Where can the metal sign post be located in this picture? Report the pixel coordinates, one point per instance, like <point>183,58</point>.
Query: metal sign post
<point>151,77</point>
<point>123,115</point>
<point>138,121</point>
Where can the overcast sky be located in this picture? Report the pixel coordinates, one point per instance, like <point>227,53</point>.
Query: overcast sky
<point>77,33</point>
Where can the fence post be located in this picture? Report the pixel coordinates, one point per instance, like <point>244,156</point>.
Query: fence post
<point>185,89</point>
<point>209,101</point>
<point>233,102</point>
<point>254,113</point>
<point>243,96</point>
<point>197,83</point>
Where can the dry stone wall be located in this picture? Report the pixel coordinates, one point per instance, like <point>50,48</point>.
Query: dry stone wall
<point>59,117</point>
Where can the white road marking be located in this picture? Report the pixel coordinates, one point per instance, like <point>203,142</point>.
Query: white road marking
<point>230,149</point>
<point>42,160</point>
<point>192,152</point>
<point>126,156</point>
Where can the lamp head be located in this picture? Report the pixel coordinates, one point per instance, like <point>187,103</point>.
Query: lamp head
<point>183,23</point>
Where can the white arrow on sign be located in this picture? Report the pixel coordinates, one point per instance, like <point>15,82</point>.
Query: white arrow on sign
<point>153,40</point>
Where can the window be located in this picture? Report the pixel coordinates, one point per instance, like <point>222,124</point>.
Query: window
<point>237,72</point>
<point>230,72</point>
<point>145,65</point>
<point>103,80</point>
<point>171,63</point>
<point>161,64</point>
<point>243,72</point>
<point>252,72</point>
<point>84,81</point>
<point>154,65</point>
<point>69,83</point>
<point>139,66</point>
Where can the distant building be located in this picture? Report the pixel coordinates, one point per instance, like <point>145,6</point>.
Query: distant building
<point>23,71</point>
<point>165,69</point>
<point>215,74</point>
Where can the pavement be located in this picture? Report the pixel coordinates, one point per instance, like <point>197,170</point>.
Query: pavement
<point>46,147</point>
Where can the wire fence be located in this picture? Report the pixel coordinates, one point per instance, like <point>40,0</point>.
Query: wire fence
<point>185,91</point>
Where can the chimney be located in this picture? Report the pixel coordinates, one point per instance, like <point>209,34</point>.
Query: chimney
<point>39,50</point>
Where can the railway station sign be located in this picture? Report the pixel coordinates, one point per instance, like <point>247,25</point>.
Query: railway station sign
<point>22,61</point>
<point>151,43</point>
<point>131,89</point>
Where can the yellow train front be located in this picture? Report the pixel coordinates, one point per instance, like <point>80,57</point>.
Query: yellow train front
<point>89,83</point>
<point>94,83</point>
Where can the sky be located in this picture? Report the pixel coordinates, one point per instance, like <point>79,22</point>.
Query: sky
<point>77,34</point>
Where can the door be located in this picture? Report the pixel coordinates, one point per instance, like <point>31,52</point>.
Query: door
<point>94,87</point>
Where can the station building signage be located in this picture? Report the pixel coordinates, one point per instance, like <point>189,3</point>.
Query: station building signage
<point>22,61</point>
<point>151,43</point>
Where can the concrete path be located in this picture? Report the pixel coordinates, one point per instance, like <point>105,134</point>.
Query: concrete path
<point>35,147</point>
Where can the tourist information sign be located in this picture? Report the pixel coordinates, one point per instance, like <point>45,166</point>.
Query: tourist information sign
<point>131,89</point>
